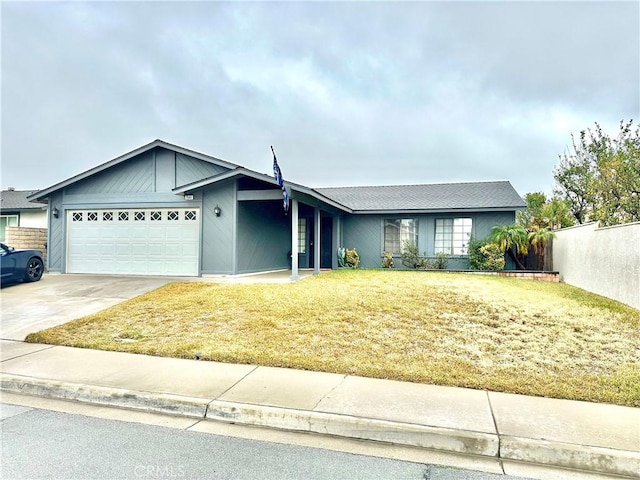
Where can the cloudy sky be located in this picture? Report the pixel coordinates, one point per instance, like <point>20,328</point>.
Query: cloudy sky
<point>349,93</point>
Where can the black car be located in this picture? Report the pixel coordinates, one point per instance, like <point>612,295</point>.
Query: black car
<point>20,265</point>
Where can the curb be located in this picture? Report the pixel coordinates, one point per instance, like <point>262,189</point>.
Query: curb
<point>450,440</point>
<point>527,450</point>
<point>107,396</point>
<point>574,457</point>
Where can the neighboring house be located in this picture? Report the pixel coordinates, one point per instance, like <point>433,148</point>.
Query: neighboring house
<point>165,210</point>
<point>17,211</point>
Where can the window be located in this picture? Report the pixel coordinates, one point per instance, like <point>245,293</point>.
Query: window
<point>156,216</point>
<point>173,215</point>
<point>302,235</point>
<point>399,232</point>
<point>123,216</point>
<point>92,217</point>
<point>107,216</point>
<point>139,216</point>
<point>76,217</point>
<point>190,215</point>
<point>7,221</point>
<point>453,235</point>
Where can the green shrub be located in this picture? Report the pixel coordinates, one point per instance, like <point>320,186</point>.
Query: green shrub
<point>387,260</point>
<point>441,261</point>
<point>411,258</point>
<point>485,255</point>
<point>351,258</point>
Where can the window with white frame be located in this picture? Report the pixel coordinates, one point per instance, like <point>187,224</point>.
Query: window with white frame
<point>453,235</point>
<point>399,232</point>
<point>7,221</point>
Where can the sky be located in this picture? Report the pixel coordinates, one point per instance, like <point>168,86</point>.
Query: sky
<point>348,93</point>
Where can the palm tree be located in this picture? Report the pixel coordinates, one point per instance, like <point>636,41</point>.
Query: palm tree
<point>511,238</point>
<point>539,238</point>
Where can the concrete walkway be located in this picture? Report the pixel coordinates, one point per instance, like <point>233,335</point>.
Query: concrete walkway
<point>585,436</point>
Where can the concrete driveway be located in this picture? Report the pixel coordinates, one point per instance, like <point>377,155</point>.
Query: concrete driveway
<point>57,299</point>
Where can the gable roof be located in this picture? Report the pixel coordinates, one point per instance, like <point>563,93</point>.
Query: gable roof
<point>428,198</point>
<point>42,194</point>
<point>17,200</point>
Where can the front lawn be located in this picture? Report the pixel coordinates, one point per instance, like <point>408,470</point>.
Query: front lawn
<point>482,332</point>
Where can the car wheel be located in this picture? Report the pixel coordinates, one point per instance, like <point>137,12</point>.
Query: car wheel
<point>35,269</point>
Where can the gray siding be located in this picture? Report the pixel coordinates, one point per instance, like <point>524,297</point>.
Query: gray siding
<point>264,236</point>
<point>55,239</point>
<point>189,169</point>
<point>134,176</point>
<point>218,232</point>
<point>165,170</point>
<point>365,233</point>
<point>156,171</point>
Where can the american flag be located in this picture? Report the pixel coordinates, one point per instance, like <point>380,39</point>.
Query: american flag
<point>278,174</point>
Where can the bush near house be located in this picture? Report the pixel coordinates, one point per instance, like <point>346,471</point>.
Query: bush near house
<point>485,255</point>
<point>411,258</point>
<point>348,258</point>
<point>387,260</point>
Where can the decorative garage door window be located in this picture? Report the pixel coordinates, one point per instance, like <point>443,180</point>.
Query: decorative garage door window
<point>137,241</point>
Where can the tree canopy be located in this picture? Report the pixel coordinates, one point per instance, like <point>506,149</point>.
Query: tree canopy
<point>599,177</point>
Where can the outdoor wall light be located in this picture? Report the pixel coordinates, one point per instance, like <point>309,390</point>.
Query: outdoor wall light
<point>217,211</point>
<point>55,212</point>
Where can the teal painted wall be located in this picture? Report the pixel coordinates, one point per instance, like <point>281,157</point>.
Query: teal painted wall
<point>264,236</point>
<point>365,233</point>
<point>189,169</point>
<point>55,240</point>
<point>218,233</point>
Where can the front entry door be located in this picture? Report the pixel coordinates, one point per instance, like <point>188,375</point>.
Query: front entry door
<point>326,247</point>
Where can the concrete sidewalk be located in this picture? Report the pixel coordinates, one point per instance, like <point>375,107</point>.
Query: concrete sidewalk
<point>584,436</point>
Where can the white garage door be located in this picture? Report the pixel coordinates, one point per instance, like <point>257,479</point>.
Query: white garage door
<point>160,241</point>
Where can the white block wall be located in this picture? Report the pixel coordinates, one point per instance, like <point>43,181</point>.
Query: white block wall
<point>605,261</point>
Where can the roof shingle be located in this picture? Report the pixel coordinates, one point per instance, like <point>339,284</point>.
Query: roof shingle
<point>17,200</point>
<point>443,196</point>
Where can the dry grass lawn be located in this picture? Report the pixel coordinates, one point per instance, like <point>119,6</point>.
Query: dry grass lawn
<point>481,332</point>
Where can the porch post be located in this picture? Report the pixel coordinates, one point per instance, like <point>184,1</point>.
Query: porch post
<point>316,241</point>
<point>294,239</point>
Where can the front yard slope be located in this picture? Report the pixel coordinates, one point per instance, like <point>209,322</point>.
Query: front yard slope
<point>481,332</point>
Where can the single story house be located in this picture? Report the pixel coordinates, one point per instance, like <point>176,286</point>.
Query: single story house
<point>17,211</point>
<point>162,209</point>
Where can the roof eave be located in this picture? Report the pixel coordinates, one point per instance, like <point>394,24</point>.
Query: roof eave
<point>424,211</point>
<point>241,171</point>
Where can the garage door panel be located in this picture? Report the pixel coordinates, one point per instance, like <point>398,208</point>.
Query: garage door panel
<point>133,241</point>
